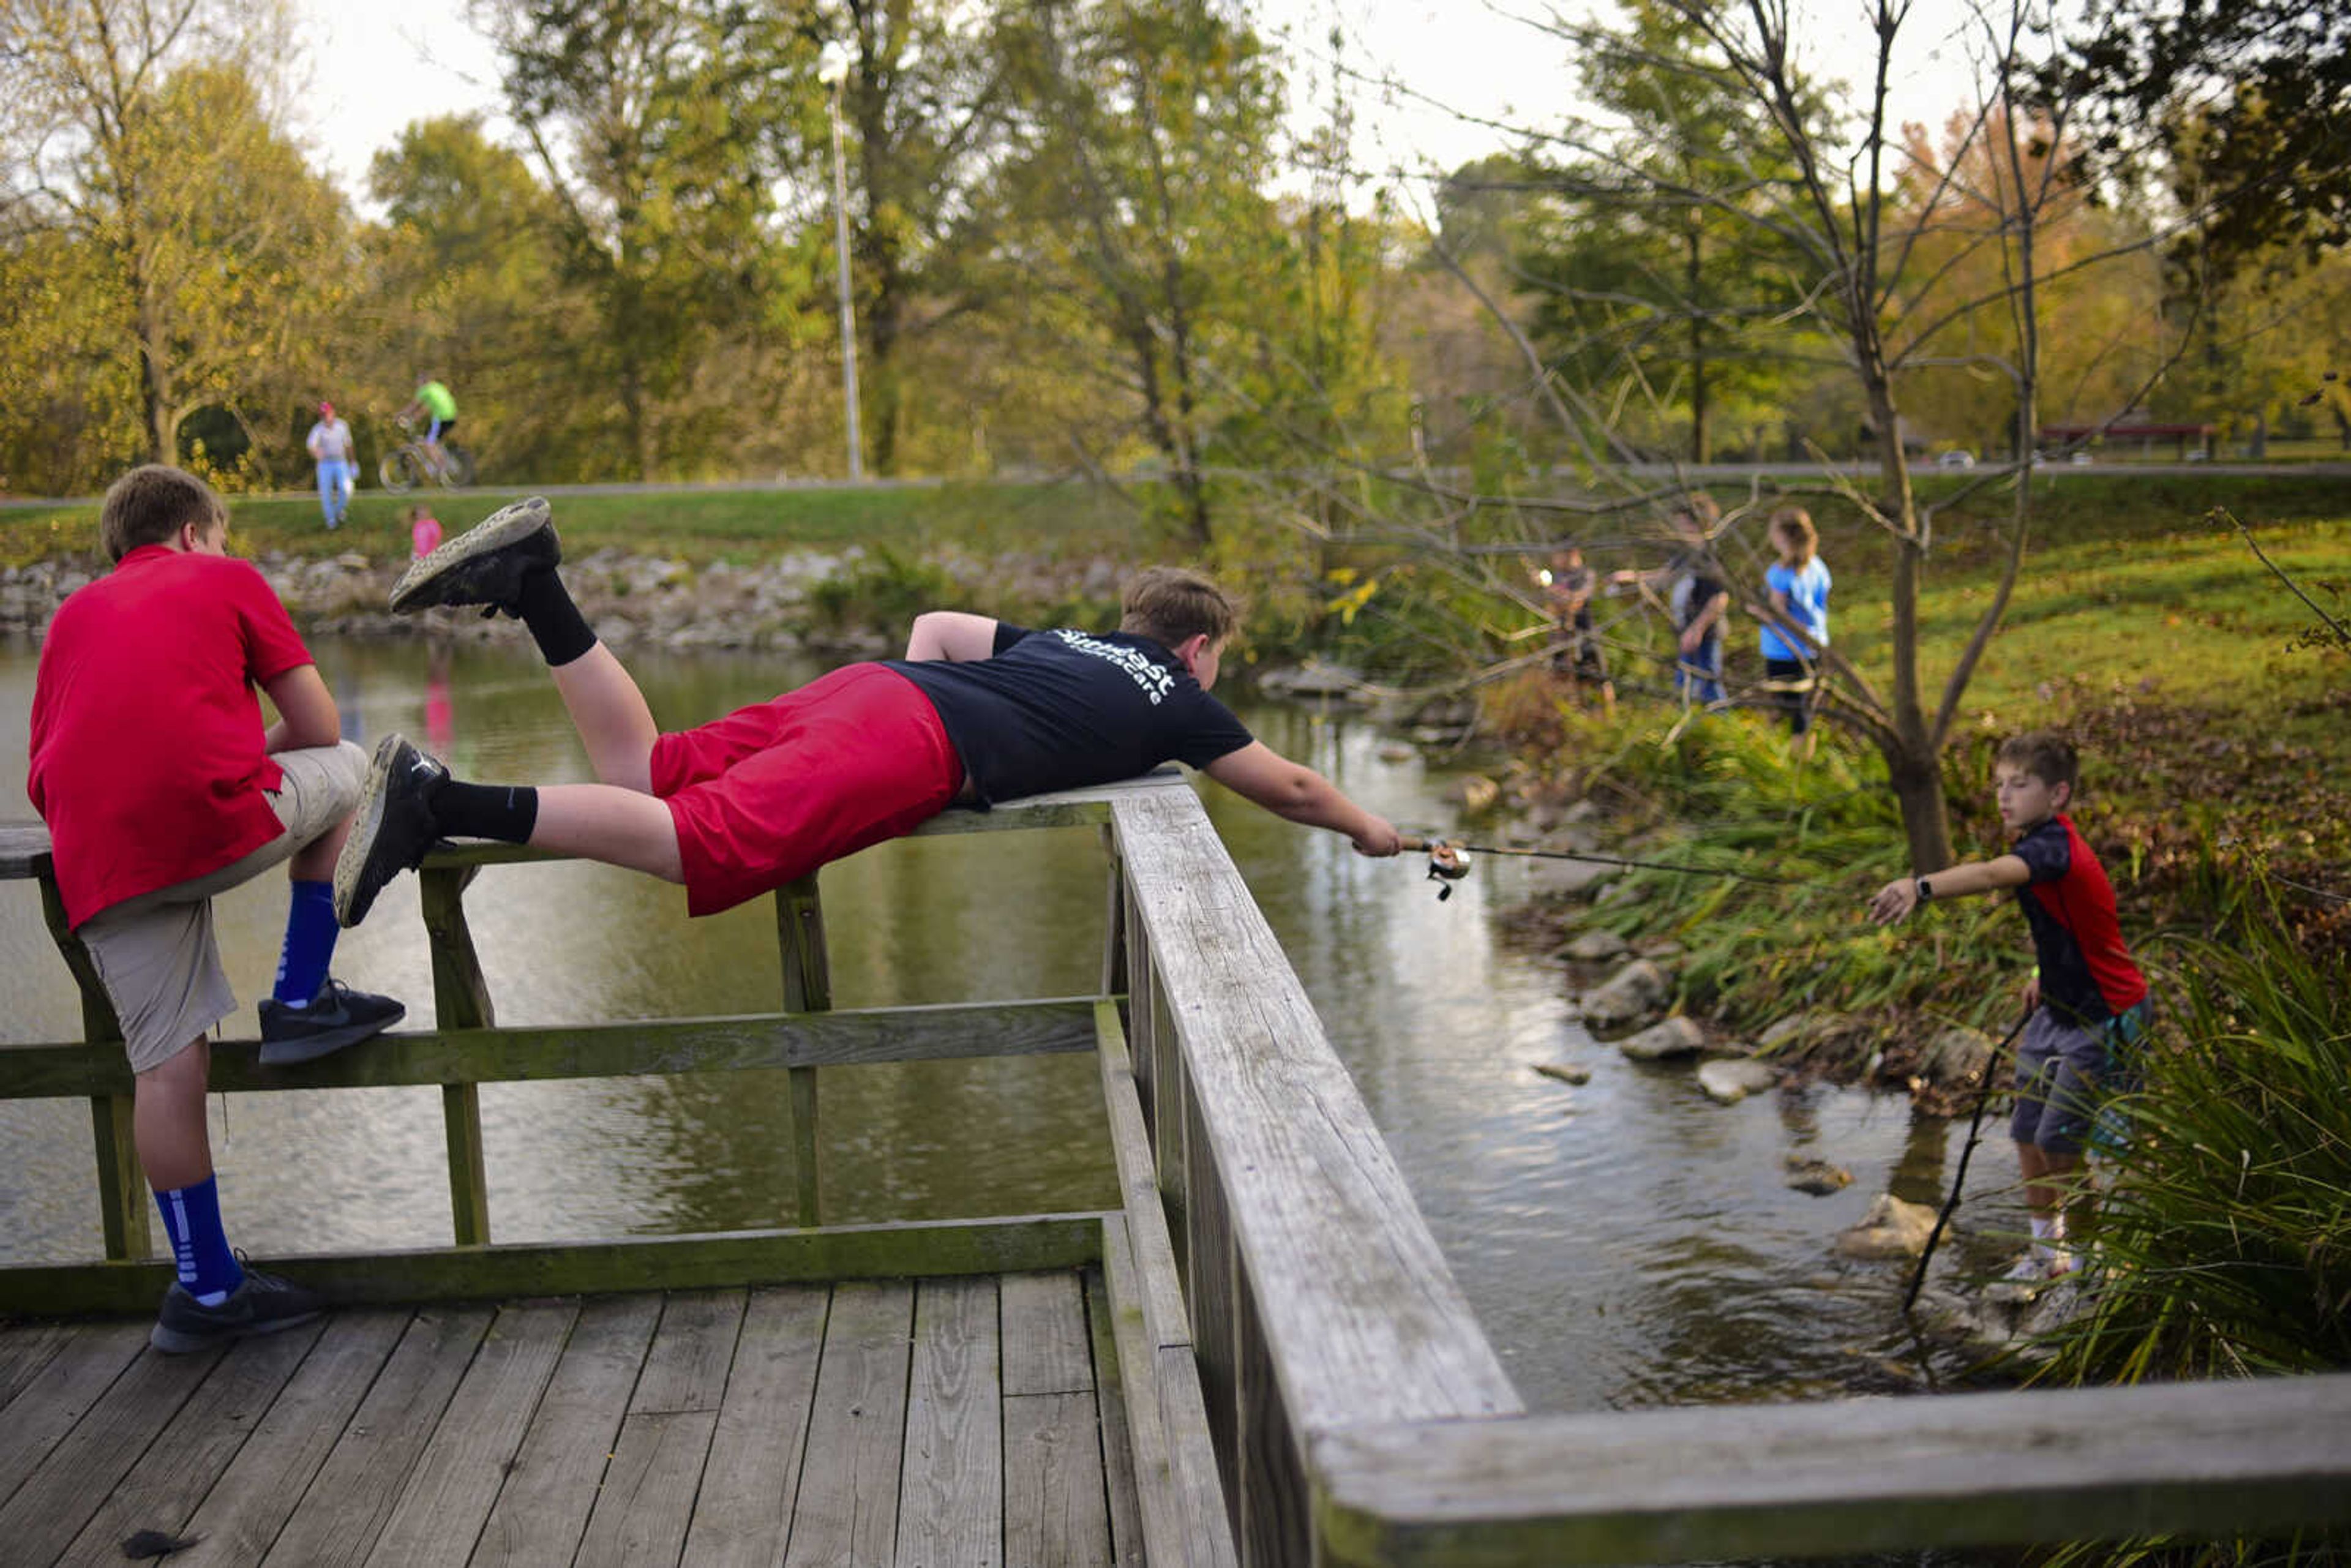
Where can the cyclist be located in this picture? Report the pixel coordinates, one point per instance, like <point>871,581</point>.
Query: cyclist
<point>433,401</point>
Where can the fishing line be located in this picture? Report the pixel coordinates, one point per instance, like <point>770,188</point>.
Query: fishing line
<point>1457,866</point>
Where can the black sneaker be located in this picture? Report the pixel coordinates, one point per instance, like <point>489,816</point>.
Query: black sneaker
<point>393,828</point>
<point>262,1303</point>
<point>337,1017</point>
<point>483,565</point>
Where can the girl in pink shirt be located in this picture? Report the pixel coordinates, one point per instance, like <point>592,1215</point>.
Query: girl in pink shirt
<point>424,530</point>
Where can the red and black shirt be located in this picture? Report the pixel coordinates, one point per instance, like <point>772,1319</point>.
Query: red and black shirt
<point>2087,973</point>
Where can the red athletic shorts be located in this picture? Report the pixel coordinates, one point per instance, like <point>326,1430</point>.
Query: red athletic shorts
<point>772,792</point>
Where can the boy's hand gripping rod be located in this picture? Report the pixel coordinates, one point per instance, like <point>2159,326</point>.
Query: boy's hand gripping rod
<point>1448,862</point>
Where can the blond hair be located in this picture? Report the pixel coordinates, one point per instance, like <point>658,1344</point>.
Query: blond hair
<point>151,504</point>
<point>1171,604</point>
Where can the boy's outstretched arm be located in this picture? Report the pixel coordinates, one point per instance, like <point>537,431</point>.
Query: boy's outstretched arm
<point>1257,773</point>
<point>952,635</point>
<point>307,715</point>
<point>1897,898</point>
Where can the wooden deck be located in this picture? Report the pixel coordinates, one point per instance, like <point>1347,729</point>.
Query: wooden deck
<point>954,1423</point>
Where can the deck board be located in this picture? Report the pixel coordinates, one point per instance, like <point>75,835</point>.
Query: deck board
<point>169,1481</point>
<point>951,1502</point>
<point>848,1510</point>
<point>542,1510</point>
<point>857,1423</point>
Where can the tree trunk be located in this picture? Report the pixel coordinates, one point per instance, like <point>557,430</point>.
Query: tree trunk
<point>1701,448</point>
<point>1917,778</point>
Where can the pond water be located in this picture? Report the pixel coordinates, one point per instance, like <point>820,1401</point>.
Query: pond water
<point>1625,1243</point>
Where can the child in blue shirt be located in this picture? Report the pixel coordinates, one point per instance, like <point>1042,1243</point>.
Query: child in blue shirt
<point>1797,628</point>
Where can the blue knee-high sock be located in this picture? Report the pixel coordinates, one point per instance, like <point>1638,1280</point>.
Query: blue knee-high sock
<point>311,932</point>
<point>208,1269</point>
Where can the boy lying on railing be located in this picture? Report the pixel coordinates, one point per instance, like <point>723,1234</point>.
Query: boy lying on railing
<point>979,711</point>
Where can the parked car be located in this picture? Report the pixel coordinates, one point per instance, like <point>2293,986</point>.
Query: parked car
<point>1959,458</point>
<point>2080,460</point>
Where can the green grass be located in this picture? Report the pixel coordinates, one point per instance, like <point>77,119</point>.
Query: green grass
<point>699,526</point>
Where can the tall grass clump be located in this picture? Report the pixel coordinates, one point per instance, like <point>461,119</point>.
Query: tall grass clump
<point>2225,1240</point>
<point>1728,792</point>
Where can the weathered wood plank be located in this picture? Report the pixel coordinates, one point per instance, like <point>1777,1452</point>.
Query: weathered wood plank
<point>542,1509</point>
<point>121,1188</point>
<point>24,1349</point>
<point>1176,1482</point>
<point>455,1482</point>
<point>1362,1318</point>
<point>808,988</point>
<point>1055,1515</point>
<point>45,1408</point>
<point>686,1369</point>
<point>1159,1283</point>
<point>355,1489</point>
<point>909,1249</point>
<point>641,1514</point>
<point>845,1037</point>
<point>847,1514</point>
<point>1117,1439</point>
<point>460,999</point>
<point>951,1501</point>
<point>1277,1504</point>
<point>753,1478</point>
<point>1211,1293</point>
<point>23,851</point>
<point>134,1479</point>
<point>1046,1347</point>
<point>2266,1456</point>
<point>247,1507</point>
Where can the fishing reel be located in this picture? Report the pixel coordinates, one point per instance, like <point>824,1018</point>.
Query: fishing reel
<point>1447,863</point>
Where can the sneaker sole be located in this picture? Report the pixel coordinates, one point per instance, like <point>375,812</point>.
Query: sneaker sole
<point>501,529</point>
<point>351,865</point>
<point>310,1047</point>
<point>173,1341</point>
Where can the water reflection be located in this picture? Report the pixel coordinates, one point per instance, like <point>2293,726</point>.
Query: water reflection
<point>1627,1242</point>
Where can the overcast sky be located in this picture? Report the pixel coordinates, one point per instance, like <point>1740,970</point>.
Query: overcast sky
<point>374,68</point>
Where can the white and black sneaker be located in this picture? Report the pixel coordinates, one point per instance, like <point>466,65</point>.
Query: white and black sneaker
<point>485,564</point>
<point>393,828</point>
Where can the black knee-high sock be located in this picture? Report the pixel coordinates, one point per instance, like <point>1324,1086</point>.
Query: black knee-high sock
<point>555,623</point>
<point>506,812</point>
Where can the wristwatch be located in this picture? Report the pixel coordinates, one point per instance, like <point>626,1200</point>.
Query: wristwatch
<point>1926,890</point>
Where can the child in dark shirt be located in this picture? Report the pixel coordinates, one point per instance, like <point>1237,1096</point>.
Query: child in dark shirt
<point>977,711</point>
<point>2087,1000</point>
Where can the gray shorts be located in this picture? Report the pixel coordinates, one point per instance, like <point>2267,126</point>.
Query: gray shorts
<point>156,952</point>
<point>2062,1072</point>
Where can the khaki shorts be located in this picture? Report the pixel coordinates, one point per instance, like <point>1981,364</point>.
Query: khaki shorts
<point>156,952</point>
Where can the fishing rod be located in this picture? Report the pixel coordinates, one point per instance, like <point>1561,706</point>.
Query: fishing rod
<point>1975,1136</point>
<point>1448,862</point>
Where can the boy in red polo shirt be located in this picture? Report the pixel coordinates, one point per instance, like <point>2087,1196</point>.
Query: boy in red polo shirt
<point>160,787</point>
<point>2088,999</point>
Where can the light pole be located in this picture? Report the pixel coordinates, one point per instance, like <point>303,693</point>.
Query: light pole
<point>833,69</point>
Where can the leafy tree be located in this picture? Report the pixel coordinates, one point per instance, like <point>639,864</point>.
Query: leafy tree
<point>1655,269</point>
<point>658,125</point>
<point>468,283</point>
<point>1137,186</point>
<point>2249,101</point>
<point>207,256</point>
<point>924,102</point>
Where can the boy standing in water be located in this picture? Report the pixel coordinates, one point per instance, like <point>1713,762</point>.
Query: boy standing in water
<point>979,711</point>
<point>160,787</point>
<point>2087,1000</point>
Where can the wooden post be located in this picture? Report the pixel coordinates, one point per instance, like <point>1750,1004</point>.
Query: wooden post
<point>122,1203</point>
<point>808,988</point>
<point>460,999</point>
<point>1114,979</point>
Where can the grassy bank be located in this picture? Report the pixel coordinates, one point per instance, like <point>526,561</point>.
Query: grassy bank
<point>698,526</point>
<point>2215,752</point>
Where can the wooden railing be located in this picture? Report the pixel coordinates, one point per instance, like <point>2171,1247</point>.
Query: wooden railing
<point>1303,1382</point>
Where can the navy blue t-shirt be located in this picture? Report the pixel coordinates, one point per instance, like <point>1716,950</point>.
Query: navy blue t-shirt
<point>1060,710</point>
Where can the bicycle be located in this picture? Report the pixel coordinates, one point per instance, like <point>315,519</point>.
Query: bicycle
<point>410,464</point>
